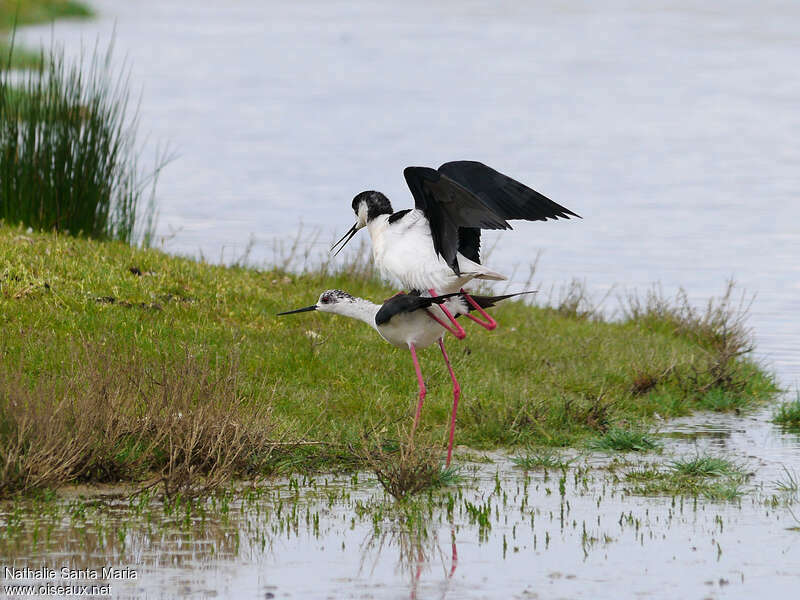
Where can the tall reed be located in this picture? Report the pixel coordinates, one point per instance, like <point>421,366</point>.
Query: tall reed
<point>68,152</point>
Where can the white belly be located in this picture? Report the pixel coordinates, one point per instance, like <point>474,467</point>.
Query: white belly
<point>406,253</point>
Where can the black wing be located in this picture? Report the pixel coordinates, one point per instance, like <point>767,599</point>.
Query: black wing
<point>506,197</point>
<point>469,243</point>
<point>449,206</point>
<point>407,303</point>
<point>467,195</point>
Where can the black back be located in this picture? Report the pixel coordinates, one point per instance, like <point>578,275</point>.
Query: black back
<point>407,303</point>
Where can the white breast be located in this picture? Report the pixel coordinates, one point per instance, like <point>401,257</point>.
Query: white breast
<point>404,250</point>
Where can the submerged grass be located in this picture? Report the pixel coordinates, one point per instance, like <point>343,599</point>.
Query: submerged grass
<point>624,440</point>
<point>162,335</point>
<point>713,477</point>
<point>541,458</point>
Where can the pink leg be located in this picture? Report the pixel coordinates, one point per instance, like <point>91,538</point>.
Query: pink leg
<point>421,383</point>
<point>456,394</point>
<point>453,552</point>
<point>489,323</point>
<point>457,330</point>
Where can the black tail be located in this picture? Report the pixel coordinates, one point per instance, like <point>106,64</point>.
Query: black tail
<point>489,301</point>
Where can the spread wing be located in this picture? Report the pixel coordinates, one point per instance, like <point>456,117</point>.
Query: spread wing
<point>463,197</point>
<point>506,197</point>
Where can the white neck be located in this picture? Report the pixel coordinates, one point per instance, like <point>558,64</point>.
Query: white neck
<point>360,309</point>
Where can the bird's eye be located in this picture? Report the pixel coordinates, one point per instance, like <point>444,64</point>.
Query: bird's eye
<point>325,299</point>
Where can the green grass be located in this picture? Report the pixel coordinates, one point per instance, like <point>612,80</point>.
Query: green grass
<point>713,477</point>
<point>705,466</point>
<point>789,483</point>
<point>134,328</point>
<point>788,414</point>
<point>542,458</point>
<point>32,12</point>
<point>68,152</point>
<point>624,440</point>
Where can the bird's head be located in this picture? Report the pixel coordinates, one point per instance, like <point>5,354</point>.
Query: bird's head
<point>366,206</point>
<point>329,301</point>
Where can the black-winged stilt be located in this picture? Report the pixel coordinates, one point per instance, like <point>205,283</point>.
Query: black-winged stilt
<point>403,321</point>
<point>435,247</point>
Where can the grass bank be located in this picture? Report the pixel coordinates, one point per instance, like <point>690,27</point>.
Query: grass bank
<point>32,12</point>
<point>119,363</point>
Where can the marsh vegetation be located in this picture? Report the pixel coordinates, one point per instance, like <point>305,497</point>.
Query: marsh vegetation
<point>125,364</point>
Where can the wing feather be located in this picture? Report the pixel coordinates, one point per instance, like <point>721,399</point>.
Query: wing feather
<point>506,197</point>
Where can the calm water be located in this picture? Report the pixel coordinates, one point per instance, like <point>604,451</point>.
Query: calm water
<point>671,127</point>
<point>333,538</point>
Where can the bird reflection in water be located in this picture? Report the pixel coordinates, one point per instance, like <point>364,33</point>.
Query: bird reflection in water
<point>417,547</point>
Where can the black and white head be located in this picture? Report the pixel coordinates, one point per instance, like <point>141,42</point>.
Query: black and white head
<point>329,301</point>
<point>367,206</point>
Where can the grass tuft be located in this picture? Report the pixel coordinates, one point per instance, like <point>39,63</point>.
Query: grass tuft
<point>721,336</point>
<point>705,466</point>
<point>788,414</point>
<point>408,468</point>
<point>624,440</point>
<point>541,459</point>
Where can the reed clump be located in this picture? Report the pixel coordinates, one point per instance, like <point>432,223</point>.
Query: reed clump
<point>68,151</point>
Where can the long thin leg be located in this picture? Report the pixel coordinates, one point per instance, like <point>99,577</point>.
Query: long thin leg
<point>421,383</point>
<point>456,395</point>
<point>489,323</point>
<point>457,330</point>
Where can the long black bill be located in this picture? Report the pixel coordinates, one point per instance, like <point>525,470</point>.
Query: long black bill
<point>349,235</point>
<point>291,312</point>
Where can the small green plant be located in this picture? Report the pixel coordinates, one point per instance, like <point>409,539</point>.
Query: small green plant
<point>68,151</point>
<point>624,440</point>
<point>788,414</point>
<point>790,483</point>
<point>705,466</point>
<point>541,459</point>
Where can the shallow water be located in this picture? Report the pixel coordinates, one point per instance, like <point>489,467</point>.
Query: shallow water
<point>670,127</point>
<point>339,538</point>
